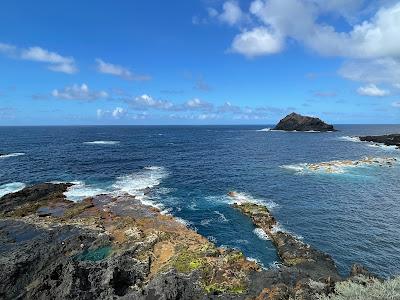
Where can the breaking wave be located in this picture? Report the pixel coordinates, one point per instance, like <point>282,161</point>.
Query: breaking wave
<point>11,155</point>
<point>382,146</point>
<point>240,197</point>
<point>102,143</point>
<point>11,188</point>
<point>80,191</point>
<point>264,130</point>
<point>261,234</point>
<point>183,221</point>
<point>137,184</point>
<point>350,139</point>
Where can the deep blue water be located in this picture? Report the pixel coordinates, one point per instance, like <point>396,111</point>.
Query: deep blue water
<point>354,216</point>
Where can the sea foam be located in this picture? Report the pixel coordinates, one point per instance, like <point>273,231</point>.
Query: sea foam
<point>80,191</point>
<point>349,139</point>
<point>102,143</point>
<point>240,198</point>
<point>340,166</point>
<point>264,130</point>
<point>136,183</point>
<point>11,188</point>
<point>261,234</point>
<point>12,155</point>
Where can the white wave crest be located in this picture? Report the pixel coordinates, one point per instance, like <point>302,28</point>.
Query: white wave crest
<point>350,139</point>
<point>240,198</point>
<point>257,261</point>
<point>11,155</point>
<point>382,146</point>
<point>80,191</point>
<point>264,130</point>
<point>11,188</point>
<point>205,222</point>
<point>183,221</point>
<point>261,234</point>
<point>102,143</point>
<point>212,239</point>
<point>221,216</point>
<point>136,184</point>
<point>275,265</point>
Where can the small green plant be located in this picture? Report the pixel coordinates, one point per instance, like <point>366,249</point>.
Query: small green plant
<point>188,261</point>
<point>366,289</point>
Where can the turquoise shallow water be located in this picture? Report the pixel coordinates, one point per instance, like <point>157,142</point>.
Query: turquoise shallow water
<point>354,216</point>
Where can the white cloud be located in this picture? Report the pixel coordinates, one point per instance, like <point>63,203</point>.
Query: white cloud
<point>231,13</point>
<point>119,112</point>
<point>299,20</point>
<point>7,48</point>
<point>228,107</point>
<point>256,42</point>
<point>372,90</point>
<point>116,70</point>
<point>78,92</point>
<point>145,101</point>
<point>382,70</point>
<point>55,61</point>
<point>212,12</point>
<point>100,113</point>
<point>197,104</point>
<point>396,104</point>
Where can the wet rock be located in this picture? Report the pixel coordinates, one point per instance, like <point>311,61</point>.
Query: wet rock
<point>297,122</point>
<point>32,197</point>
<point>292,251</point>
<point>388,140</point>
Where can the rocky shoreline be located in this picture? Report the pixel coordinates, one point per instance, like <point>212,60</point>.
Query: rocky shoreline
<point>114,247</point>
<point>388,140</point>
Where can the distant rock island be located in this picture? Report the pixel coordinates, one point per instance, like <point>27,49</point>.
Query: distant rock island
<point>388,140</point>
<point>297,122</point>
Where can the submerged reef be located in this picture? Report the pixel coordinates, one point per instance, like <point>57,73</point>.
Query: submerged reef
<point>340,166</point>
<point>297,122</point>
<point>114,247</point>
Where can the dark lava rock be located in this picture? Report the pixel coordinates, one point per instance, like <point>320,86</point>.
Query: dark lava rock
<point>45,264</point>
<point>293,252</point>
<point>33,194</point>
<point>388,140</point>
<point>296,122</point>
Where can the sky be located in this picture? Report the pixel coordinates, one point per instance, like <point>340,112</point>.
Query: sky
<point>198,62</point>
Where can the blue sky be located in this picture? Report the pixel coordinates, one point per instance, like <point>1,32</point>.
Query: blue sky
<point>198,62</point>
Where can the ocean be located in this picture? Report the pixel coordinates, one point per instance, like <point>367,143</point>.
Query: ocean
<point>353,213</point>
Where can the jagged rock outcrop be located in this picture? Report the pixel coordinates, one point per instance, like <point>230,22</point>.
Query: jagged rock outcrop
<point>292,251</point>
<point>388,140</point>
<point>297,122</point>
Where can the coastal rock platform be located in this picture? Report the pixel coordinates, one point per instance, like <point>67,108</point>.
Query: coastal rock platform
<point>115,247</point>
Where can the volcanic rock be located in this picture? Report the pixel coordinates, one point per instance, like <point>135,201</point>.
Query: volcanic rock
<point>296,122</point>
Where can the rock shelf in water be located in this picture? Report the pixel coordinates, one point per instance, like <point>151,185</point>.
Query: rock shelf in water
<point>388,140</point>
<point>339,166</point>
<point>292,251</point>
